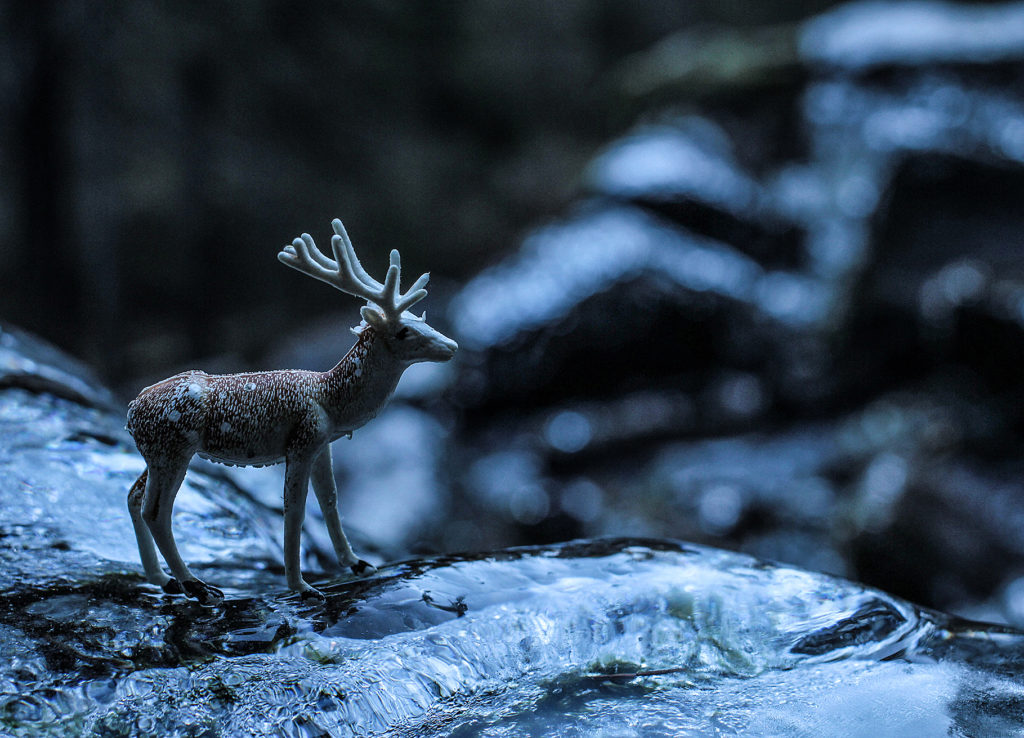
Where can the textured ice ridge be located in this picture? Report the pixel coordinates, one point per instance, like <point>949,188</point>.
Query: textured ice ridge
<point>403,655</point>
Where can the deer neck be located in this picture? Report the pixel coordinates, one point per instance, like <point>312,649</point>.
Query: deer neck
<point>356,389</point>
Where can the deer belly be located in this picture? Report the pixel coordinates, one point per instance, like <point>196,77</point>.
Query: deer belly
<point>252,419</point>
<point>238,452</point>
<point>233,458</point>
<point>243,443</point>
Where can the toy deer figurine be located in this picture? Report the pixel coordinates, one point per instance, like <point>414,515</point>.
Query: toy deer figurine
<point>264,418</point>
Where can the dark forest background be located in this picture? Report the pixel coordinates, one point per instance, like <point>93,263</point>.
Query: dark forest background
<point>156,155</point>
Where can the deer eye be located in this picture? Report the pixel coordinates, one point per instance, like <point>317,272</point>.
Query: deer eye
<point>402,333</point>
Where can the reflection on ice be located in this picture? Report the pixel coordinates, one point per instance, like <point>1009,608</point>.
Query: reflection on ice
<point>843,699</point>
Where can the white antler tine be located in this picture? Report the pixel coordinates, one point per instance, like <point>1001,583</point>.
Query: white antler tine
<point>409,300</point>
<point>420,283</point>
<point>297,257</point>
<point>293,254</point>
<point>316,255</point>
<point>353,260</point>
<point>288,253</point>
<point>396,264</point>
<point>301,247</point>
<point>343,258</point>
<point>339,228</point>
<point>389,295</point>
<point>414,294</point>
<point>305,247</point>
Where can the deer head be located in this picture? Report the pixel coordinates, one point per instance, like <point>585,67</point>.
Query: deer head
<point>408,337</point>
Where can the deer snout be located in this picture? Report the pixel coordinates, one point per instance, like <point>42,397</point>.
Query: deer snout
<point>446,348</point>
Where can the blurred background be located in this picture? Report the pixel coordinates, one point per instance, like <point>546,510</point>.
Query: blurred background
<point>749,274</point>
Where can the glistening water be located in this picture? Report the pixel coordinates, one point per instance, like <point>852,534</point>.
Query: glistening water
<point>616,637</point>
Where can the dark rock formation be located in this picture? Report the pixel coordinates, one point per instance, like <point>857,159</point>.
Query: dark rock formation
<point>788,349</point>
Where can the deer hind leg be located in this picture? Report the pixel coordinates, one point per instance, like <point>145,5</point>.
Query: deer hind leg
<point>327,495</point>
<point>161,489</point>
<point>147,550</point>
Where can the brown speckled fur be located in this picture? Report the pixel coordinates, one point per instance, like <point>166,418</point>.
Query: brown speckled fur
<point>251,419</point>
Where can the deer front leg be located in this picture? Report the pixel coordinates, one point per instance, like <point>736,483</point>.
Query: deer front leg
<point>327,495</point>
<point>296,488</point>
<point>161,489</point>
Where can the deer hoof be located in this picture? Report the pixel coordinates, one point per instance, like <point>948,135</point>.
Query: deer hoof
<point>363,568</point>
<point>312,596</point>
<point>172,587</point>
<point>203,592</point>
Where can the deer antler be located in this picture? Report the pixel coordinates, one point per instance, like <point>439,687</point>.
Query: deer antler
<point>346,273</point>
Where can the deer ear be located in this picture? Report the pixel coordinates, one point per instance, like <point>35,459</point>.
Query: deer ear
<point>373,317</point>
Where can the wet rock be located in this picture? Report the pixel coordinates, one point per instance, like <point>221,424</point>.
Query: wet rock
<point>955,519</point>
<point>687,171</point>
<point>947,277</point>
<point>853,38</point>
<point>33,365</point>
<point>617,297</point>
<point>862,35</point>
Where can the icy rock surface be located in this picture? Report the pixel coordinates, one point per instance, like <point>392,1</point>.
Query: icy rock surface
<point>31,364</point>
<point>571,637</point>
<point>623,636</point>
